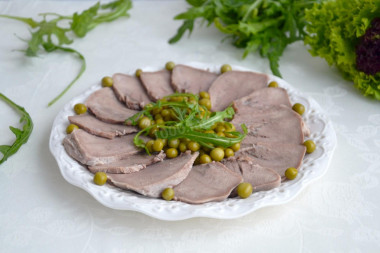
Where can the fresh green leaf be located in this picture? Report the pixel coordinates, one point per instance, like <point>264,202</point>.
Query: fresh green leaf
<point>22,135</point>
<point>266,26</point>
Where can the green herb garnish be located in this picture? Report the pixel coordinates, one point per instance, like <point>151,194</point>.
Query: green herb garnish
<point>51,34</point>
<point>267,26</point>
<point>191,121</point>
<point>22,136</point>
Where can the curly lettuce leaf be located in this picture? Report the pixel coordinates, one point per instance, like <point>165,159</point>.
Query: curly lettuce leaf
<point>334,30</point>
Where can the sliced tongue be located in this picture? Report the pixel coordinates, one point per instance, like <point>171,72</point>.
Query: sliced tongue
<point>106,107</point>
<point>265,96</point>
<point>157,84</point>
<point>207,182</point>
<point>97,127</point>
<point>152,180</point>
<point>89,149</point>
<point>191,80</point>
<point>277,156</point>
<point>233,85</point>
<point>261,178</point>
<point>128,165</point>
<point>130,91</point>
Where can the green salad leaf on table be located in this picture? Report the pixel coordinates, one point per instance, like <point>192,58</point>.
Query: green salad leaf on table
<point>266,26</point>
<point>51,34</point>
<point>22,136</point>
<point>347,35</point>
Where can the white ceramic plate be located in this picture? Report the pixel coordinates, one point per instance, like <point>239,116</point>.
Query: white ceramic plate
<point>314,166</point>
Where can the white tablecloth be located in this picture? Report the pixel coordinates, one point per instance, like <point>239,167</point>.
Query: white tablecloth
<point>41,212</point>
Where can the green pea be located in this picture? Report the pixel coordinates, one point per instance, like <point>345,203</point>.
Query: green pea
<point>206,102</point>
<point>107,81</point>
<point>100,178</point>
<point>70,128</point>
<point>171,153</point>
<point>204,94</point>
<point>229,152</point>
<point>167,194</point>
<point>170,65</point>
<point>173,143</point>
<point>144,122</point>
<point>235,147</point>
<point>310,146</point>
<point>193,146</point>
<point>205,159</point>
<point>299,108</point>
<point>80,108</point>
<point>138,72</point>
<point>149,145</point>
<point>273,84</point>
<point>225,68</point>
<point>217,154</point>
<point>158,145</point>
<point>244,190</point>
<point>182,147</point>
<point>291,173</point>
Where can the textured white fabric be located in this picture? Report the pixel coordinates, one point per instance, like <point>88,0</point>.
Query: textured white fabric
<point>41,212</point>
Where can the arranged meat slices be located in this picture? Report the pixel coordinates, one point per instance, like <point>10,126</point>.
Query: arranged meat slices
<point>207,182</point>
<point>130,164</point>
<point>157,84</point>
<point>152,180</point>
<point>89,149</point>
<point>233,85</point>
<point>106,107</point>
<point>130,91</point>
<point>261,178</point>
<point>191,80</point>
<point>277,156</point>
<point>265,96</point>
<point>97,127</point>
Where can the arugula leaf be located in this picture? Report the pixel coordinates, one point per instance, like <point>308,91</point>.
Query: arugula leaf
<point>266,26</point>
<point>50,35</point>
<point>22,136</point>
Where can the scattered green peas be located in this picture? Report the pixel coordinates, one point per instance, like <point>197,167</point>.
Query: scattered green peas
<point>273,84</point>
<point>182,147</point>
<point>204,94</point>
<point>217,154</point>
<point>144,122</point>
<point>205,159</point>
<point>193,146</point>
<point>149,145</point>
<point>158,145</point>
<point>138,72</point>
<point>229,152</point>
<point>173,143</point>
<point>171,153</point>
<point>235,147</point>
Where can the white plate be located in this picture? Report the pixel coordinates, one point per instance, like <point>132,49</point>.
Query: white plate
<point>314,166</point>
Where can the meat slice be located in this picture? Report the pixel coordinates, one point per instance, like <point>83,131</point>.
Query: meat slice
<point>152,180</point>
<point>233,85</point>
<point>191,80</point>
<point>129,90</point>
<point>106,107</point>
<point>261,179</point>
<point>265,96</point>
<point>97,127</point>
<point>207,182</point>
<point>157,84</point>
<point>91,150</point>
<point>267,119</point>
<point>277,156</point>
<point>130,164</point>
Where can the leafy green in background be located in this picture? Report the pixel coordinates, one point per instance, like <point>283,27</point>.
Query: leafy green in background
<point>22,136</point>
<point>50,34</point>
<point>335,30</point>
<point>266,26</point>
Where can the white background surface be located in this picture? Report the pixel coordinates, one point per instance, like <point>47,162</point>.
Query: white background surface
<point>41,212</point>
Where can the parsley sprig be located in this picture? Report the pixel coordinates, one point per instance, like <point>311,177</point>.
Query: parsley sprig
<point>51,34</point>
